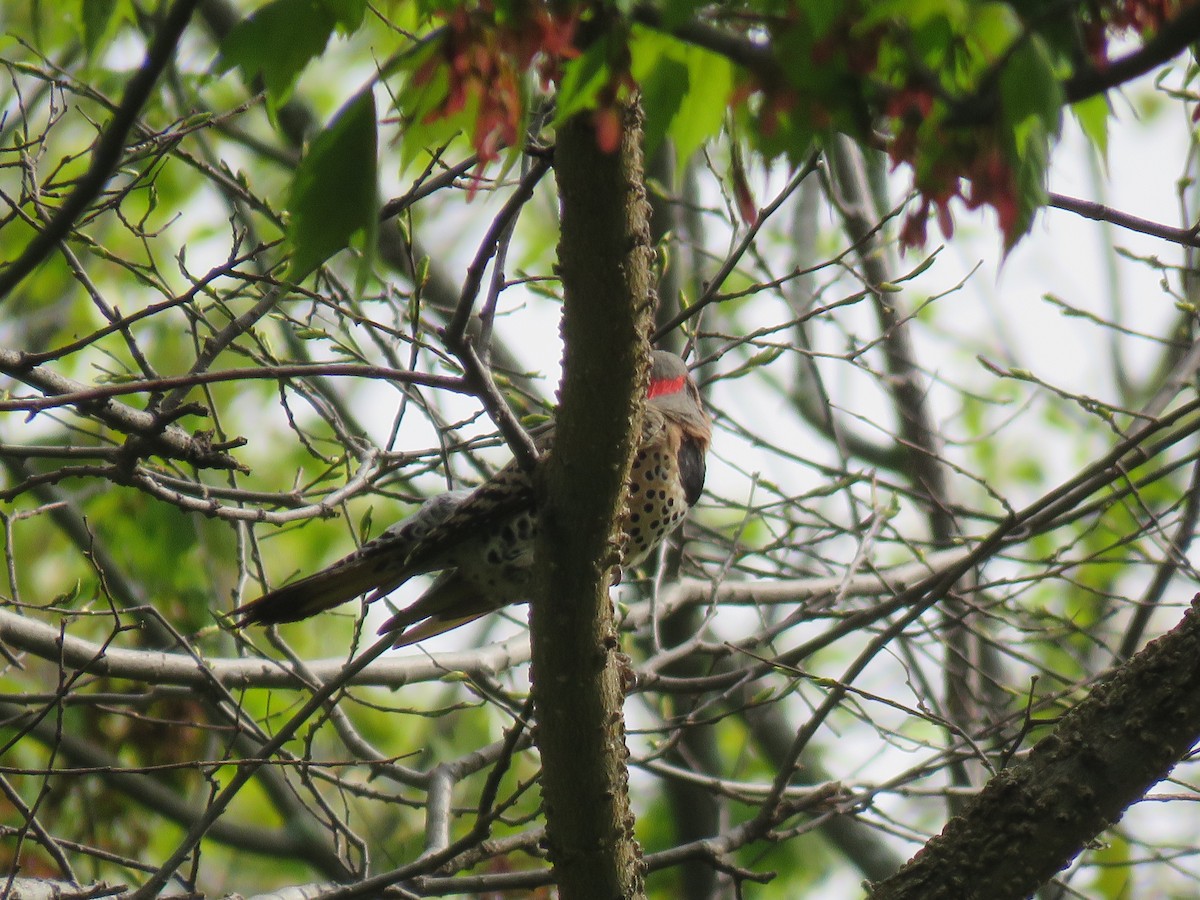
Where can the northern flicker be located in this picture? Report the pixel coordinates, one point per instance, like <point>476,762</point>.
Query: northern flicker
<point>482,540</point>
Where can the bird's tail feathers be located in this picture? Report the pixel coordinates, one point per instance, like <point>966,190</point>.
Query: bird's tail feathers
<point>309,596</point>
<point>431,627</point>
<point>450,601</point>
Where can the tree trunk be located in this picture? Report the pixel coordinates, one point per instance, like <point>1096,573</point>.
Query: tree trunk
<point>604,256</point>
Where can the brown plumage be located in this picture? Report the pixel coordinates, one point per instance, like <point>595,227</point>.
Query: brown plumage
<point>482,540</point>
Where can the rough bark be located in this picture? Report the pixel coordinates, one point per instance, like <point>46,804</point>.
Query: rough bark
<point>604,256</point>
<point>1030,821</point>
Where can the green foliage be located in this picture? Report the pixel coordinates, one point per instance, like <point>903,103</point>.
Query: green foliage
<point>1031,100</point>
<point>584,77</point>
<point>334,193</point>
<point>280,38</point>
<point>1115,860</point>
<point>1092,115</point>
<point>967,95</point>
<point>964,91</point>
<point>685,91</point>
<point>100,18</point>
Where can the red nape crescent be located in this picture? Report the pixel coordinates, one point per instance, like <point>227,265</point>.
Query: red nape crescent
<point>666,386</point>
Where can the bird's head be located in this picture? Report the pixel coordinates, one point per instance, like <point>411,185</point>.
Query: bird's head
<point>673,393</point>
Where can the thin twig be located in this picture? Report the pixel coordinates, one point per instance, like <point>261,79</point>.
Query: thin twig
<point>64,392</point>
<point>108,148</point>
<point>713,288</point>
<point>1098,212</point>
<point>457,327</point>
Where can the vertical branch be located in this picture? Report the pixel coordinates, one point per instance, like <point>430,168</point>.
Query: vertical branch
<point>604,255</point>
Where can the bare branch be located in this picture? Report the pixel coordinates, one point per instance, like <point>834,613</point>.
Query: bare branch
<point>160,667</point>
<point>107,152</point>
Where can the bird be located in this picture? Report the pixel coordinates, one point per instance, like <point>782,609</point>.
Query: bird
<point>481,541</point>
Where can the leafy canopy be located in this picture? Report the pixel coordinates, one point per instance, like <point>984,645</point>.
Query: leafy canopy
<point>967,96</point>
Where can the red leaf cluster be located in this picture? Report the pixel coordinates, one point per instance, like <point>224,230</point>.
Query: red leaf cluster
<point>485,59</point>
<point>1142,15</point>
<point>970,166</point>
<point>970,163</point>
<point>986,179</point>
<point>1102,19</point>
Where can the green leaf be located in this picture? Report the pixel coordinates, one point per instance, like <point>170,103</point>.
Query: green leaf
<point>789,135</point>
<point>583,77</point>
<point>98,16</point>
<point>1031,101</point>
<point>913,13</point>
<point>823,14</point>
<point>1092,115</point>
<point>276,42</point>
<point>333,194</point>
<point>1029,87</point>
<point>700,116</point>
<point>685,90</point>
<point>993,29</point>
<point>1115,865</point>
<point>663,90</point>
<point>348,13</point>
<point>676,12</point>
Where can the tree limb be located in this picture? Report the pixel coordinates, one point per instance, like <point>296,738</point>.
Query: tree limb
<point>1105,754</point>
<point>604,253</point>
<point>160,667</point>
